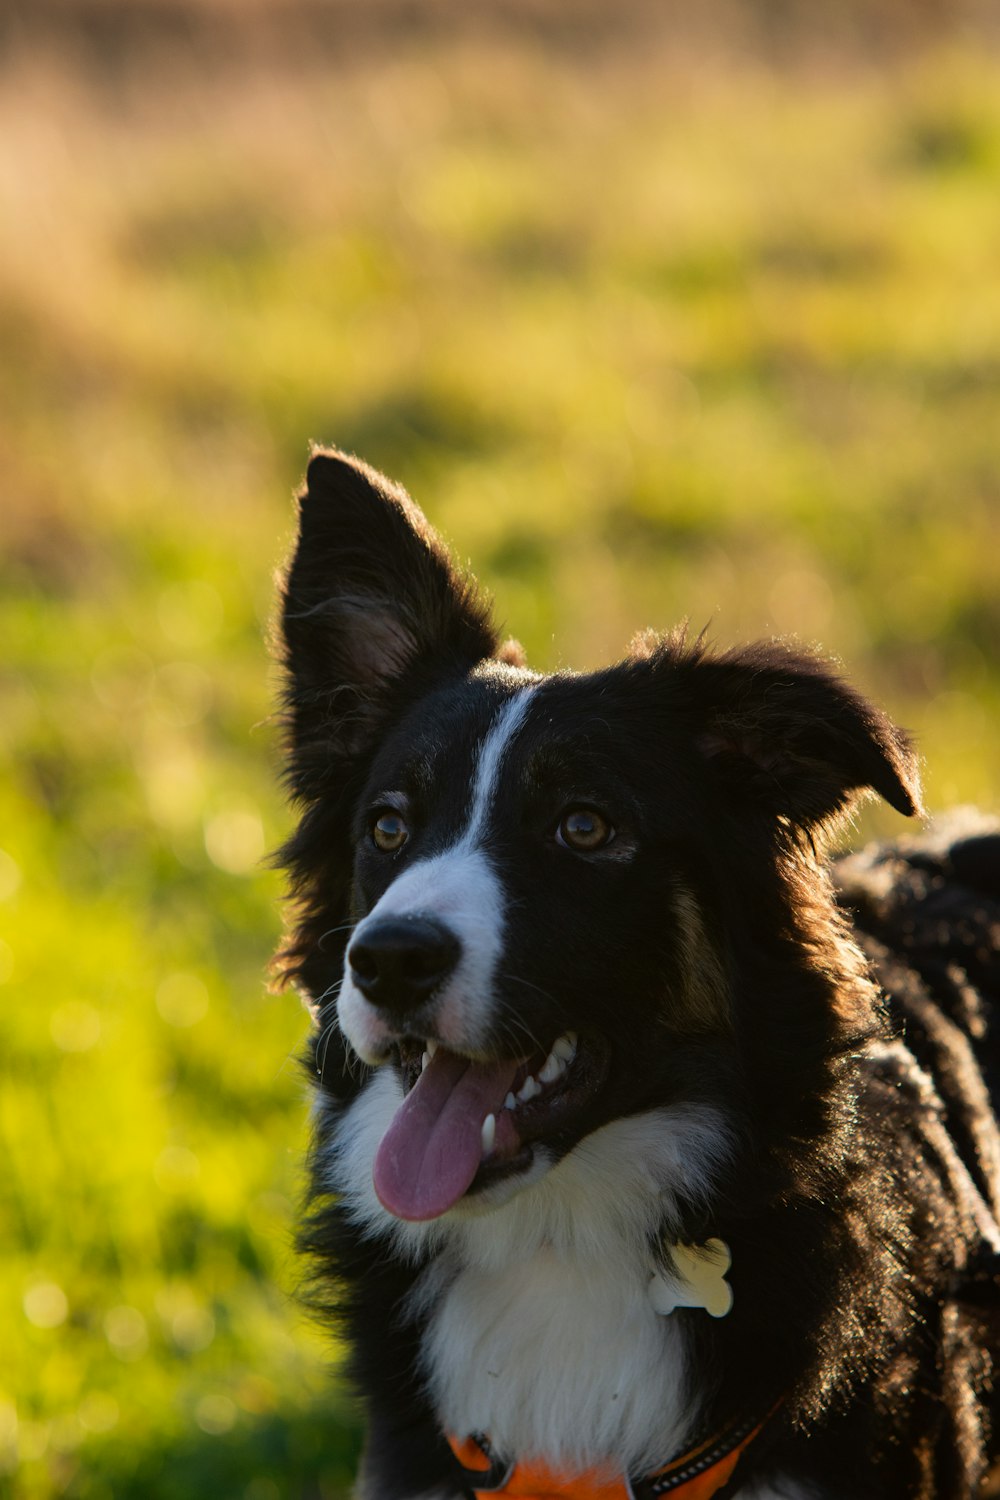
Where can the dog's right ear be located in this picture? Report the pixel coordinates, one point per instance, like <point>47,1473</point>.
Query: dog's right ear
<point>373,613</point>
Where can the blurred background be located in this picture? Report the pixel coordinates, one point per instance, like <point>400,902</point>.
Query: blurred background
<point>660,310</point>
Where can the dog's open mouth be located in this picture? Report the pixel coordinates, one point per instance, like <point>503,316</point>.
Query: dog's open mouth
<point>464,1123</point>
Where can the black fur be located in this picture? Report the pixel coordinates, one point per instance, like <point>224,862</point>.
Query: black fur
<point>847,1034</point>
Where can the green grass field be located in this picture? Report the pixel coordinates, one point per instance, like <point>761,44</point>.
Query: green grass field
<point>650,334</point>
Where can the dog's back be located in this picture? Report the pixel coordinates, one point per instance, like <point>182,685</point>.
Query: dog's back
<point>927,913</point>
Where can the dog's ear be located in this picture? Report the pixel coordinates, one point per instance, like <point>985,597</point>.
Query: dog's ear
<point>779,726</point>
<point>373,612</point>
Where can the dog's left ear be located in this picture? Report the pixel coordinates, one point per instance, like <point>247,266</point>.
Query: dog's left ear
<point>779,726</point>
<point>373,613</point>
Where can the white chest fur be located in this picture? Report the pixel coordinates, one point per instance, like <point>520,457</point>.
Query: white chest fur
<point>561,1358</point>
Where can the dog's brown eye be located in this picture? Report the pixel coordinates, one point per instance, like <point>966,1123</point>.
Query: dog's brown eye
<point>584,829</point>
<point>389,832</point>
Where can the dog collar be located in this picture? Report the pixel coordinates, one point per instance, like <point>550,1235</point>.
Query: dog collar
<point>704,1471</point>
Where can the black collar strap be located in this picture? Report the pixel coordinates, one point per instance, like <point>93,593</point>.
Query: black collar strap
<point>743,1436</point>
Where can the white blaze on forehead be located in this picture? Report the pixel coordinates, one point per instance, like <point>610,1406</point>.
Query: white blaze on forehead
<point>459,888</point>
<point>491,754</point>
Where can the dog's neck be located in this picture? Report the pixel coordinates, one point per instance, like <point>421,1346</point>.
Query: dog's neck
<point>520,1300</point>
<point>515,1298</point>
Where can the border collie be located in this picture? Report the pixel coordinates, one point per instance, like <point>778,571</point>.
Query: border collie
<point>654,1154</point>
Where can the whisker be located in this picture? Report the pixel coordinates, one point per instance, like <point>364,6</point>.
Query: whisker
<point>518,1032</point>
<point>323,1046</point>
<point>517,979</point>
<point>332,932</point>
<point>336,985</point>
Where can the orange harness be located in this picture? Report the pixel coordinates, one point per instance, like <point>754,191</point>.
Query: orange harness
<point>698,1474</point>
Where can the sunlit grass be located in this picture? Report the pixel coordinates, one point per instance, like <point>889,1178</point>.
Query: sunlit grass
<point>646,343</point>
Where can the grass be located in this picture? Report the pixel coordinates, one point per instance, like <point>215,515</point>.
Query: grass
<point>647,339</point>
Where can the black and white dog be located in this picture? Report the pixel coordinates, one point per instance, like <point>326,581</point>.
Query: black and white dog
<point>653,1154</point>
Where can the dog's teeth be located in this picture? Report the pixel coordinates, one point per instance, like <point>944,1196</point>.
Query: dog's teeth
<point>489,1133</point>
<point>510,1102</point>
<point>425,1059</point>
<point>565,1047</point>
<point>553,1069</point>
<point>529,1088</point>
<point>432,1047</point>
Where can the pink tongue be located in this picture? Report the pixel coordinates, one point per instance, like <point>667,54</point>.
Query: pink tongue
<point>431,1152</point>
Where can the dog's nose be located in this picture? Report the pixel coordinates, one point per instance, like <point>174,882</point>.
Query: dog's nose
<point>398,962</point>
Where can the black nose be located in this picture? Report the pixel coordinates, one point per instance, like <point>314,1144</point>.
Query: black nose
<point>398,962</point>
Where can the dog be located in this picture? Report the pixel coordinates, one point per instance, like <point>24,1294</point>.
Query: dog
<point>654,1152</point>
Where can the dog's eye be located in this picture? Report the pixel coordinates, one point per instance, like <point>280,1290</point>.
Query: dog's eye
<point>389,832</point>
<point>584,829</point>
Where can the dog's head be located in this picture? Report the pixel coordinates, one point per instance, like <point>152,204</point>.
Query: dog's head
<point>543,901</point>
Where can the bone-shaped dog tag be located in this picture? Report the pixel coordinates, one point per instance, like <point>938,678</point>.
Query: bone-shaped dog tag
<point>701,1280</point>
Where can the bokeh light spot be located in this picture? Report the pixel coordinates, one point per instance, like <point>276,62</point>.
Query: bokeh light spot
<point>45,1305</point>
<point>125,1330</point>
<point>215,1414</point>
<point>176,1166</point>
<point>98,1412</point>
<point>261,1488</point>
<point>234,840</point>
<point>10,875</point>
<point>182,999</point>
<point>75,1026</point>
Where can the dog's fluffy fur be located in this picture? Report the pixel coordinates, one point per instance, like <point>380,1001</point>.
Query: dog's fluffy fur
<point>793,1057</point>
